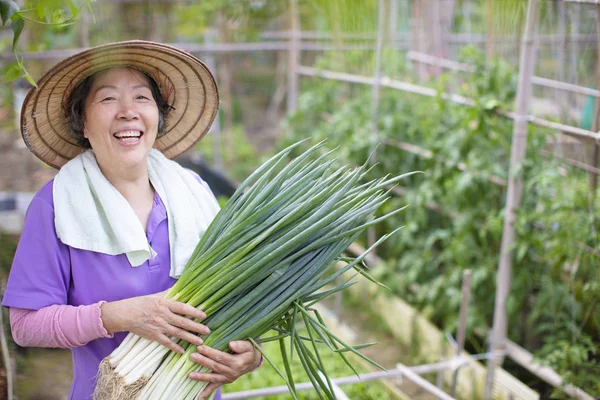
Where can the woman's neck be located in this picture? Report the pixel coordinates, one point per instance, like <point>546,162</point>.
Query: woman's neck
<point>132,183</point>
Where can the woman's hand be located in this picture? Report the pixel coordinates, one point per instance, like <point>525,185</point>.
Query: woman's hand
<point>155,318</point>
<point>225,367</point>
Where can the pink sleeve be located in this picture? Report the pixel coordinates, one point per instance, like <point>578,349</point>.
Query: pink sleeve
<point>57,326</point>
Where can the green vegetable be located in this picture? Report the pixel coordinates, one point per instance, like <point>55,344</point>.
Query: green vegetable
<point>259,266</point>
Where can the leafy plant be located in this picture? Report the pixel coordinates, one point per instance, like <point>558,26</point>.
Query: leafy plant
<point>456,216</point>
<point>46,12</point>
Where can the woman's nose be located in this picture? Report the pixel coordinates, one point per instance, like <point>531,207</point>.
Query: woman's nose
<point>127,110</point>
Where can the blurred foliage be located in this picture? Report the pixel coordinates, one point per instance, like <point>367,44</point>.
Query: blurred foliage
<point>555,296</point>
<point>8,246</point>
<point>267,377</point>
<point>55,13</point>
<point>337,16</point>
<point>239,160</point>
<point>246,19</point>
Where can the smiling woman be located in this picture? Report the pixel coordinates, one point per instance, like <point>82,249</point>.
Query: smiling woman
<point>121,121</point>
<point>115,228</point>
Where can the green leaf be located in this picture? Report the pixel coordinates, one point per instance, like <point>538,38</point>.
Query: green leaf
<point>73,8</point>
<point>41,11</point>
<point>7,9</point>
<point>12,72</point>
<point>29,79</point>
<point>17,26</point>
<point>491,104</point>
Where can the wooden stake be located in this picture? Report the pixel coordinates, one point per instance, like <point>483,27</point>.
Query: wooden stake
<point>514,194</point>
<point>371,236</point>
<point>215,129</point>
<point>6,358</point>
<point>462,323</point>
<point>293,57</point>
<point>561,51</point>
<point>593,178</point>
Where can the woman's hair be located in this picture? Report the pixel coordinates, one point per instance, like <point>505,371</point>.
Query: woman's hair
<point>76,108</point>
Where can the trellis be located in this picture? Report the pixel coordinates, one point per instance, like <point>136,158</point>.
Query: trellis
<point>500,345</point>
<point>296,41</point>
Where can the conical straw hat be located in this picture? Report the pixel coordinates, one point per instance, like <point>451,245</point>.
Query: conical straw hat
<point>184,81</point>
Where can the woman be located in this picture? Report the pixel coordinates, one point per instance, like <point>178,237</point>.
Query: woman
<point>114,228</point>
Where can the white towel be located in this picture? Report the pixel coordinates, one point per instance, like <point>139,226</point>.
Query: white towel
<point>91,214</point>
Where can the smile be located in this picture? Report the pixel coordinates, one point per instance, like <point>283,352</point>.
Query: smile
<point>129,137</point>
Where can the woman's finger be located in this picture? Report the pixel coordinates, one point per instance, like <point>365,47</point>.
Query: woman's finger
<point>208,390</point>
<point>217,366</point>
<point>185,309</point>
<point>167,342</point>
<point>241,346</point>
<point>216,355</point>
<point>188,325</point>
<point>184,335</point>
<point>208,377</point>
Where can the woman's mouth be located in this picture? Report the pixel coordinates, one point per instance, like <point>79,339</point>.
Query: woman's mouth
<point>129,137</point>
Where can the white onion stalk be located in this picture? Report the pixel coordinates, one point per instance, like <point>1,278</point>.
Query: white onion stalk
<point>258,267</point>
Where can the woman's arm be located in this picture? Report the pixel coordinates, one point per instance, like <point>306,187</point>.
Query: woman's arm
<point>64,326</point>
<point>60,326</point>
<point>155,318</point>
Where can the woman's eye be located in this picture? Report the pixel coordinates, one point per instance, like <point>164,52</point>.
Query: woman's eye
<point>142,97</point>
<point>108,99</point>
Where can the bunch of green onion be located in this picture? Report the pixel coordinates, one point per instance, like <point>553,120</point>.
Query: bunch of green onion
<point>259,267</point>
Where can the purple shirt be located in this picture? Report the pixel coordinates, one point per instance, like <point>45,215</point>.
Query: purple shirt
<point>45,271</point>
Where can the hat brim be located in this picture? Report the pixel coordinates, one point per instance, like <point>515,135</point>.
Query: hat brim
<point>185,82</point>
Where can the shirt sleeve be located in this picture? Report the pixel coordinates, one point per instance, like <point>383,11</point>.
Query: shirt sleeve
<point>40,272</point>
<point>59,326</point>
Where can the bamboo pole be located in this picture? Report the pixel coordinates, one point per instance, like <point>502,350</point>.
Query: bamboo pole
<point>376,95</point>
<point>582,134</point>
<point>572,162</point>
<point>561,51</point>
<point>84,30</point>
<point>418,39</point>
<point>6,358</point>
<point>241,47</point>
<point>462,323</point>
<point>490,50</point>
<point>428,154</point>
<point>525,359</point>
<point>377,75</point>
<point>392,33</point>
<point>293,57</point>
<point>514,192</point>
<point>224,78</point>
<point>593,177</point>
<point>583,1</point>
<point>574,20</point>
<point>431,388</point>
<point>536,80</point>
<point>397,372</point>
<point>215,129</point>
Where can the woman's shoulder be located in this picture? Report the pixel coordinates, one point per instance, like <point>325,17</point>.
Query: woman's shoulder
<point>45,193</point>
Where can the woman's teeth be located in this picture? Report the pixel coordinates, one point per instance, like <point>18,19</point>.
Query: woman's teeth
<point>128,136</point>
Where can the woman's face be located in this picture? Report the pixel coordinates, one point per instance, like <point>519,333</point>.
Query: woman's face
<point>121,118</point>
